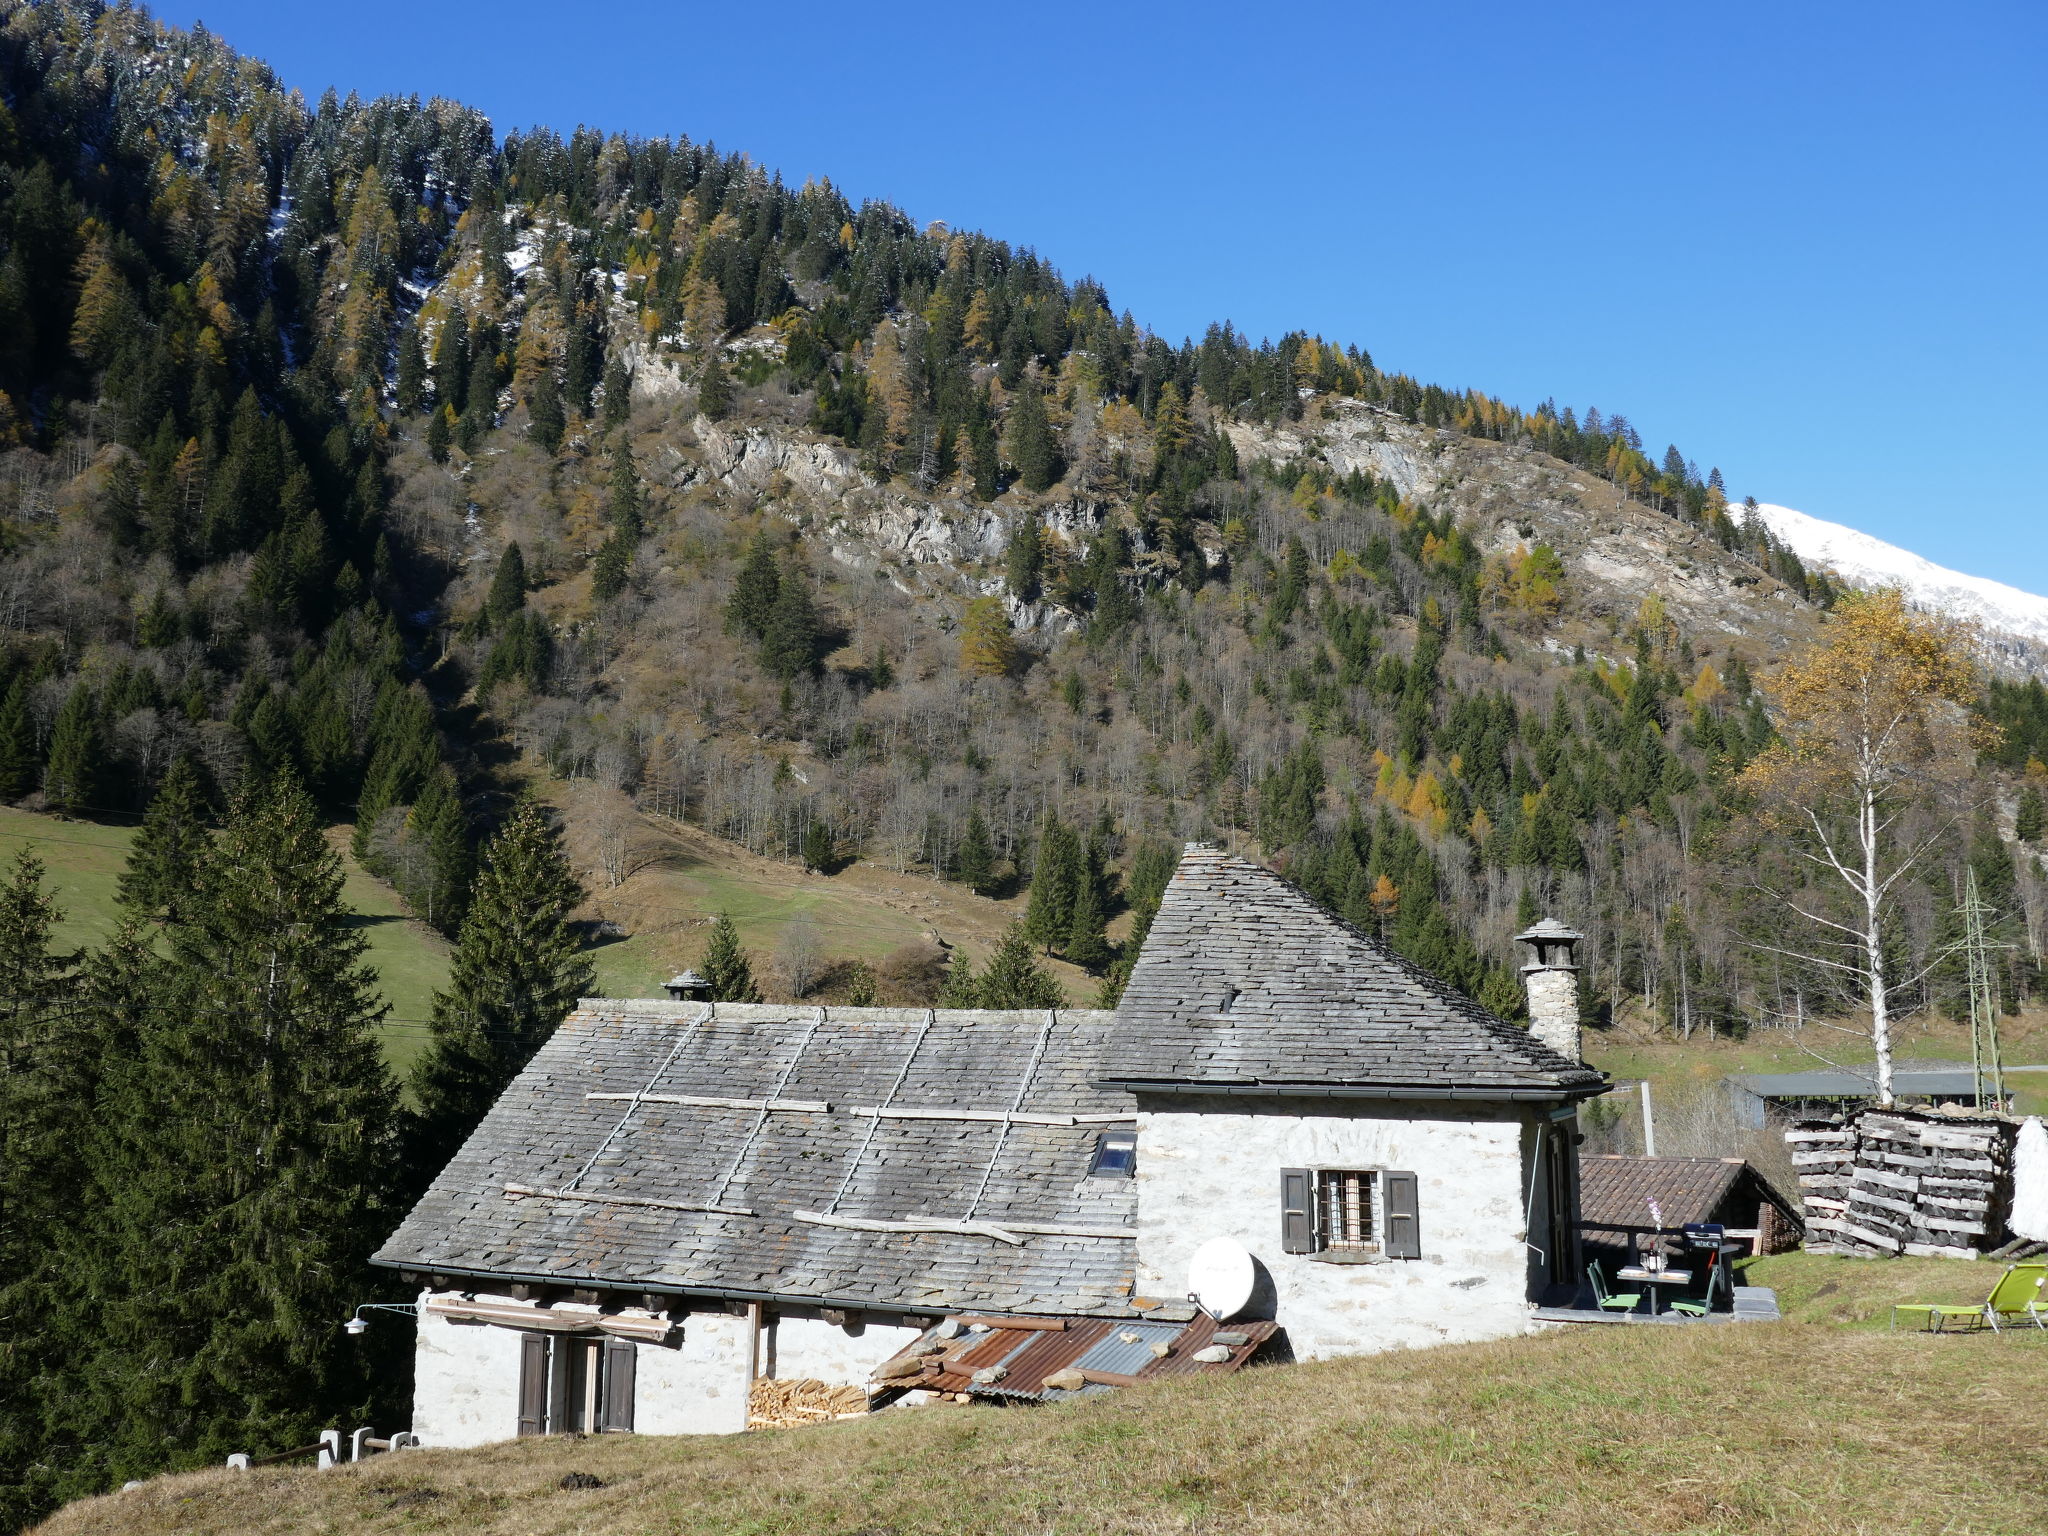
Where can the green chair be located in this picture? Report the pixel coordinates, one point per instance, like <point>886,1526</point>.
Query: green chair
<point>2019,1295</point>
<point>1623,1301</point>
<point>1705,1304</point>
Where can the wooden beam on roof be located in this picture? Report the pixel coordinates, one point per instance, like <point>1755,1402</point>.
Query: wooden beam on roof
<point>999,1116</point>
<point>528,1192</point>
<point>710,1101</point>
<point>1002,1232</point>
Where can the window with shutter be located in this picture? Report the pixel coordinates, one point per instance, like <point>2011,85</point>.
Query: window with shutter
<point>1297,1211</point>
<point>620,1357</point>
<point>1403,1215</point>
<point>533,1384</point>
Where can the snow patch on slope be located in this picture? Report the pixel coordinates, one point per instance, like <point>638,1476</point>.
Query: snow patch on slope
<point>1864,561</point>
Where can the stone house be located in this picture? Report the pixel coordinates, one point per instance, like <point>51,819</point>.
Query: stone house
<point>675,1200</point>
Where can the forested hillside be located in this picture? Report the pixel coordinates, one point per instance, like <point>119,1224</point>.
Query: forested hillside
<point>359,464</point>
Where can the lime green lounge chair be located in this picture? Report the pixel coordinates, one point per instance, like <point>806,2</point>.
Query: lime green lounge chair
<point>1623,1301</point>
<point>2021,1295</point>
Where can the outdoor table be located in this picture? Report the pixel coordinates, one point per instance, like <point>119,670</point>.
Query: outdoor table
<point>1654,1277</point>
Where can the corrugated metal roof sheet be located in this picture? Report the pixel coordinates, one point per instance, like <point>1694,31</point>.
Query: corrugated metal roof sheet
<point>1029,1356</point>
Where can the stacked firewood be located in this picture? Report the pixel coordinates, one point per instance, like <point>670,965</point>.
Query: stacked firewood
<point>1889,1182</point>
<point>775,1404</point>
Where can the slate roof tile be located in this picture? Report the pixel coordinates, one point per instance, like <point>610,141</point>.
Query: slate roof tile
<point>1244,980</point>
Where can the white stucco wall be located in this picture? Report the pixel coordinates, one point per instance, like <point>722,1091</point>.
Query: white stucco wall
<point>466,1380</point>
<point>698,1386</point>
<point>1215,1171</point>
<point>465,1385</point>
<point>802,1346</point>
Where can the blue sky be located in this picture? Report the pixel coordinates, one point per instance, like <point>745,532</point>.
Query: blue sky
<point>1803,241</point>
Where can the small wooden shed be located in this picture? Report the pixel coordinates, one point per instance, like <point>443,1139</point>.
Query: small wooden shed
<point>1616,1195</point>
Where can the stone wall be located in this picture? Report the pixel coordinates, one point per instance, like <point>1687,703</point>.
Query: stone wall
<point>798,1344</point>
<point>1210,1167</point>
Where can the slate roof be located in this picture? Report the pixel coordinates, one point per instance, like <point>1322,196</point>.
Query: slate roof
<point>1616,1191</point>
<point>1246,984</point>
<point>545,1133</point>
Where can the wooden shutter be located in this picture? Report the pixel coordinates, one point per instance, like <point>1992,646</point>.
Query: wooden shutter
<point>616,1404</point>
<point>1403,1215</point>
<point>1297,1211</point>
<point>533,1384</point>
<point>561,1367</point>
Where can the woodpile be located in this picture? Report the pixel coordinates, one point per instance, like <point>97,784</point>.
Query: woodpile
<point>1886,1182</point>
<point>775,1404</point>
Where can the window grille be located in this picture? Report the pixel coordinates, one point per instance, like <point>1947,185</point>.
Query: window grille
<point>1348,1200</point>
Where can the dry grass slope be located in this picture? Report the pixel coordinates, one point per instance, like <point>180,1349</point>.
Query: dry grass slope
<point>1795,1429</point>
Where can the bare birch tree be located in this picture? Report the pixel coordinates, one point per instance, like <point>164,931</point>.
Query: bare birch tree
<point>1877,748</point>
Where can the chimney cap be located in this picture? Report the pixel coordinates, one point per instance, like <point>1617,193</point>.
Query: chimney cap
<point>686,986</point>
<point>1548,930</point>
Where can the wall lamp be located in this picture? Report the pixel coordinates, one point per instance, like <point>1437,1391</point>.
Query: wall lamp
<point>361,1324</point>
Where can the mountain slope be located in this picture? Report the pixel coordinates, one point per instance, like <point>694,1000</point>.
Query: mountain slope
<point>1866,561</point>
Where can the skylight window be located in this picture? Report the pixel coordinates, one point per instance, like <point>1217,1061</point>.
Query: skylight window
<point>1116,1155</point>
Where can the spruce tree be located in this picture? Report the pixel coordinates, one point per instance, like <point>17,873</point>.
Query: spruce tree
<point>19,761</point>
<point>1024,561</point>
<point>1055,884</point>
<point>1032,446</point>
<point>72,779</point>
<point>545,425</point>
<point>714,389</point>
<point>440,826</point>
<point>727,967</point>
<point>819,850</point>
<point>752,603</point>
<point>44,1105</point>
<point>975,864</point>
<point>242,1165</point>
<point>412,370</point>
<point>508,589</point>
<point>1087,944</point>
<point>962,988</point>
<point>618,394</point>
<point>626,508</point>
<point>2031,819</point>
<point>1013,979</point>
<point>517,970</point>
<point>164,859</point>
<point>611,570</point>
<point>790,645</point>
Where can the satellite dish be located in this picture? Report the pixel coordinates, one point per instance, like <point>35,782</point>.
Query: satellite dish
<point>1221,1276</point>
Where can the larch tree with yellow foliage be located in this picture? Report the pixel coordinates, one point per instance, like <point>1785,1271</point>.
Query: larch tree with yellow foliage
<point>1875,762</point>
<point>986,649</point>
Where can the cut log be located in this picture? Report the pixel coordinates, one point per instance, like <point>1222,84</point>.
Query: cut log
<point>1874,1239</point>
<point>1815,1137</point>
<point>1886,1178</point>
<point>1938,1251</point>
<point>1960,1140</point>
<point>1862,1197</point>
<point>1016,1324</point>
<point>1953,1224</point>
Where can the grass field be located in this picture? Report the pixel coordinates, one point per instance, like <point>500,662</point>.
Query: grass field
<point>1805,1427</point>
<point>84,861</point>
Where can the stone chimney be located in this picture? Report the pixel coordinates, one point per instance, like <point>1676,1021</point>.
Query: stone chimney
<point>689,987</point>
<point>1551,974</point>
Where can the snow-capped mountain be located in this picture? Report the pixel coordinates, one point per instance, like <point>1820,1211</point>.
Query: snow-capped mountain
<point>1864,561</point>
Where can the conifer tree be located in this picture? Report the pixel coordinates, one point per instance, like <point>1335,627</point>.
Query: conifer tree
<point>1086,942</point>
<point>727,967</point>
<point>508,589</point>
<point>72,779</point>
<point>544,412</point>
<point>752,603</point>
<point>611,569</point>
<point>962,988</point>
<point>19,762</point>
<point>42,1110</point>
<point>242,1164</point>
<point>714,389</point>
<point>820,852</point>
<point>1055,883</point>
<point>626,506</point>
<point>1024,561</point>
<point>1032,448</point>
<point>974,865</point>
<point>412,370</point>
<point>441,828</point>
<point>618,394</point>
<point>164,860</point>
<point>2031,819</point>
<point>516,972</point>
<point>1013,979</point>
<point>790,644</point>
